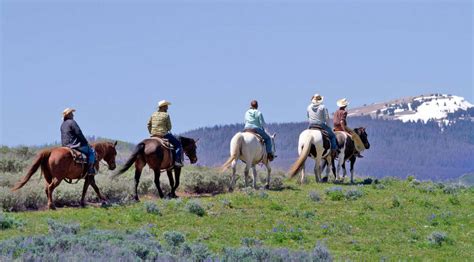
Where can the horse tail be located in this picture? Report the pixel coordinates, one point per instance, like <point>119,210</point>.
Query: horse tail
<point>40,160</point>
<point>235,146</point>
<point>139,149</point>
<point>301,159</point>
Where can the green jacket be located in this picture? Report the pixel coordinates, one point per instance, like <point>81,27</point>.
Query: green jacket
<point>159,124</point>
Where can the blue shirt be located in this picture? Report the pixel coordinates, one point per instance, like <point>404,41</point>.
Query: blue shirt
<point>254,119</point>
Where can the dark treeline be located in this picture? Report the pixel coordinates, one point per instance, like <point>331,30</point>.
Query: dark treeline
<point>397,149</point>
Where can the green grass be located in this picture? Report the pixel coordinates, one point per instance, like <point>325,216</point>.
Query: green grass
<point>370,227</point>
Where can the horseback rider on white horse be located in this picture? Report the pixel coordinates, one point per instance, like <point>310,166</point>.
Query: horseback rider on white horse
<point>318,117</point>
<point>247,147</point>
<point>312,142</point>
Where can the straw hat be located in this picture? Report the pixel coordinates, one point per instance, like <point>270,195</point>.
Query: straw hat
<point>342,102</point>
<point>163,103</point>
<point>68,110</point>
<point>317,99</point>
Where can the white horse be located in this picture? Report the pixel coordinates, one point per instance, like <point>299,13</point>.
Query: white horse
<point>246,147</point>
<point>311,143</point>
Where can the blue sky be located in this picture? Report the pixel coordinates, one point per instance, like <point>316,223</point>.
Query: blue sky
<point>114,60</point>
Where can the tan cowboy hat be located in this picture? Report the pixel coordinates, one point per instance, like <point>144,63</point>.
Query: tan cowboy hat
<point>342,102</point>
<point>317,99</point>
<point>68,110</point>
<point>163,103</point>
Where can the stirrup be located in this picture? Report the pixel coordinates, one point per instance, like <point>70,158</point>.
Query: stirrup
<point>178,164</point>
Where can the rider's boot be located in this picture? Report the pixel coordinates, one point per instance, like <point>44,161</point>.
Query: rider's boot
<point>91,171</point>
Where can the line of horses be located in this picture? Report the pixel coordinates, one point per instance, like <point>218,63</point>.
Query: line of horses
<point>57,164</point>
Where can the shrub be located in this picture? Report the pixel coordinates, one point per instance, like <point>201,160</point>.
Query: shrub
<point>194,207</point>
<point>335,193</point>
<point>437,238</point>
<point>314,196</point>
<point>453,188</point>
<point>174,239</point>
<point>7,221</point>
<point>353,194</point>
<point>58,228</point>
<point>454,200</point>
<point>309,214</point>
<point>262,195</point>
<point>321,253</point>
<point>226,203</point>
<point>210,182</point>
<point>152,208</point>
<point>250,242</point>
<point>396,202</point>
<point>200,252</point>
<point>378,186</point>
<point>410,178</point>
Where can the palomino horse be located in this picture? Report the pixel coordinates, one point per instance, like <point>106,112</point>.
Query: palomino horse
<point>159,157</point>
<point>58,164</point>
<point>348,151</point>
<point>247,147</point>
<point>311,143</point>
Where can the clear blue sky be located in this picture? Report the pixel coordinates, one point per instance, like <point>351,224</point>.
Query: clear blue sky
<point>114,61</point>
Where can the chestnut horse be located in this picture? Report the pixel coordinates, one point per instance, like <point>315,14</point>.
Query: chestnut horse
<point>57,164</point>
<point>158,156</point>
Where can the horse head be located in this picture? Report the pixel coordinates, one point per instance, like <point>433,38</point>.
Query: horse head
<point>190,148</point>
<point>109,153</point>
<point>363,136</point>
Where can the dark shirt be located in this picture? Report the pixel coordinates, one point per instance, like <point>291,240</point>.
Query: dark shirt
<point>340,116</point>
<point>71,134</point>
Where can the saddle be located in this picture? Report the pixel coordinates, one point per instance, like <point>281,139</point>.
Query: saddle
<point>321,129</point>
<point>78,157</point>
<point>259,137</point>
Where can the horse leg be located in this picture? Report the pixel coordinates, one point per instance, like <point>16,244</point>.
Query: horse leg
<point>233,178</point>
<point>246,174</point>
<point>84,190</point>
<point>344,172</point>
<point>171,181</point>
<point>323,166</point>
<point>317,170</point>
<point>138,173</point>
<point>353,160</point>
<point>54,183</point>
<point>254,171</point>
<point>157,182</point>
<point>269,171</point>
<point>177,174</point>
<point>333,169</point>
<point>302,173</point>
<point>96,189</point>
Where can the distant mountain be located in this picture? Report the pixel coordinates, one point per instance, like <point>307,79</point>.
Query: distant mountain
<point>441,108</point>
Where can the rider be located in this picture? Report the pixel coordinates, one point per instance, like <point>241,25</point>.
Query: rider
<point>254,121</point>
<point>159,125</point>
<point>340,124</point>
<point>72,137</point>
<point>318,115</point>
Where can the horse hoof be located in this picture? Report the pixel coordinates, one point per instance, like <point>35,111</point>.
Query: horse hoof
<point>52,207</point>
<point>267,187</point>
<point>83,204</point>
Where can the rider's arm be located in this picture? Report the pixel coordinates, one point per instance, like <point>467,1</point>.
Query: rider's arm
<point>149,125</point>
<point>168,123</point>
<point>326,117</point>
<point>78,132</point>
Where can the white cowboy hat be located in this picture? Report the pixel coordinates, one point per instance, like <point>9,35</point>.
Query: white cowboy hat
<point>68,110</point>
<point>317,99</point>
<point>163,103</point>
<point>342,102</point>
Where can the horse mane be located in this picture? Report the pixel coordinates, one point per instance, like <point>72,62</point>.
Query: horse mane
<point>185,140</point>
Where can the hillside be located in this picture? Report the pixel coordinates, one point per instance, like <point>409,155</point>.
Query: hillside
<point>350,222</point>
<point>397,149</point>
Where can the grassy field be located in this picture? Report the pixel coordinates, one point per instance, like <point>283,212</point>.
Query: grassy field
<point>392,219</point>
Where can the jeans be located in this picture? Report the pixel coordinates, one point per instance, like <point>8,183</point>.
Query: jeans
<point>178,149</point>
<point>266,139</point>
<point>332,136</point>
<point>89,152</point>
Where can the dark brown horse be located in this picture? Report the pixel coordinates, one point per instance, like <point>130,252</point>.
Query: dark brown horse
<point>348,151</point>
<point>58,164</point>
<point>159,157</point>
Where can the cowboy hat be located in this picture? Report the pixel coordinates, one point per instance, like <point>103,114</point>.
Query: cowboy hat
<point>342,102</point>
<point>317,99</point>
<point>163,103</point>
<point>68,110</point>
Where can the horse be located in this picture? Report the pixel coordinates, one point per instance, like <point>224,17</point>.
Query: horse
<point>158,156</point>
<point>312,143</point>
<point>57,164</point>
<point>247,147</point>
<point>348,151</point>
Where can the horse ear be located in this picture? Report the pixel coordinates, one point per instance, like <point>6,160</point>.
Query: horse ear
<point>196,141</point>
<point>115,144</point>
<point>274,135</point>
